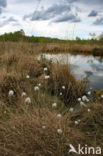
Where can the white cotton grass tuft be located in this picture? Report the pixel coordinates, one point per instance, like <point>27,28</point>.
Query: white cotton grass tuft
<point>71,109</point>
<point>61,93</point>
<point>59,131</point>
<point>11,93</point>
<point>89,110</point>
<point>76,122</point>
<point>89,93</point>
<point>36,88</point>
<point>39,84</point>
<point>85,99</point>
<point>82,104</point>
<point>79,99</point>
<point>28,76</point>
<point>54,105</point>
<point>28,100</point>
<point>63,87</point>
<point>59,116</point>
<point>23,94</point>
<point>101,96</point>
<point>43,127</point>
<point>47,77</point>
<point>45,69</point>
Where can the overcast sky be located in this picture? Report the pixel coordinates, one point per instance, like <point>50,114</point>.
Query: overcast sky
<point>54,18</point>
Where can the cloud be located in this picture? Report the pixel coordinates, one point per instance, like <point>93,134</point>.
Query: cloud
<point>93,13</point>
<point>8,21</point>
<point>55,13</point>
<point>12,19</point>
<point>26,1</point>
<point>3,4</point>
<point>0,10</point>
<point>99,21</point>
<point>86,1</point>
<point>67,18</point>
<point>51,12</point>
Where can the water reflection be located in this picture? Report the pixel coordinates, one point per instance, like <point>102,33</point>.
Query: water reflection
<point>82,66</point>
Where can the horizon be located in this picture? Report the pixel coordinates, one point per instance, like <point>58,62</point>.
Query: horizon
<point>93,36</point>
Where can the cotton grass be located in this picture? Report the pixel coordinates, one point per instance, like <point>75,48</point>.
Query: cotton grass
<point>59,131</point>
<point>54,105</point>
<point>28,100</point>
<point>11,93</point>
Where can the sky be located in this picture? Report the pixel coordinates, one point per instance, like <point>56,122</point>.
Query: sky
<point>64,19</point>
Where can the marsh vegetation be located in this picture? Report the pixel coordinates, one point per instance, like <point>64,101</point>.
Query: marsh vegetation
<point>43,106</point>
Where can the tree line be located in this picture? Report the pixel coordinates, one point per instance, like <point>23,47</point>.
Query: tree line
<point>20,36</point>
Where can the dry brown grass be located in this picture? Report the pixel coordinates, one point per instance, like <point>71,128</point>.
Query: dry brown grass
<point>91,123</point>
<point>75,49</point>
<point>23,134</point>
<point>17,65</point>
<point>21,124</point>
<point>36,48</point>
<point>16,47</point>
<point>28,137</point>
<point>61,76</point>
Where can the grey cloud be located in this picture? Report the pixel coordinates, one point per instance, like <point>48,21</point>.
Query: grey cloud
<point>26,1</point>
<point>27,16</point>
<point>3,23</point>
<point>67,18</point>
<point>86,1</point>
<point>8,21</point>
<point>99,21</point>
<point>3,4</point>
<point>93,13</point>
<point>71,1</point>
<point>51,12</point>
<point>55,13</point>
<point>0,10</point>
<point>12,19</point>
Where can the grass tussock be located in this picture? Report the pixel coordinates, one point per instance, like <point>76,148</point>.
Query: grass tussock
<point>62,81</point>
<point>18,66</point>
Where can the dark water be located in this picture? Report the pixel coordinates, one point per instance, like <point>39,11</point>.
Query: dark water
<point>82,66</point>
